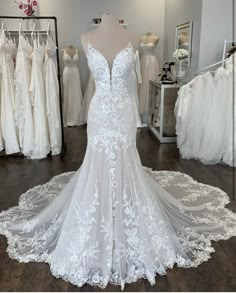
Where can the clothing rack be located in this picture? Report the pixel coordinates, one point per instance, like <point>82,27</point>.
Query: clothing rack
<point>63,148</point>
<point>212,65</point>
<point>223,58</point>
<point>225,45</point>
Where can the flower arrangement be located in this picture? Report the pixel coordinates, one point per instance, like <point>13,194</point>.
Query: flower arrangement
<point>180,54</point>
<point>29,7</point>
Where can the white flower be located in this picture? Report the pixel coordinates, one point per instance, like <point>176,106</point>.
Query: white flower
<point>180,54</point>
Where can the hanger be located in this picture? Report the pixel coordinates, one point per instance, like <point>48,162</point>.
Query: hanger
<point>4,28</point>
<point>21,32</point>
<point>48,28</point>
<point>2,25</point>
<point>33,33</point>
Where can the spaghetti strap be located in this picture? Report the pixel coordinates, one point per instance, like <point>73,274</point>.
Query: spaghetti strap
<point>89,45</point>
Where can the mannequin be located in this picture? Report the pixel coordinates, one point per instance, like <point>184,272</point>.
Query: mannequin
<point>108,30</point>
<point>150,70</point>
<point>149,38</point>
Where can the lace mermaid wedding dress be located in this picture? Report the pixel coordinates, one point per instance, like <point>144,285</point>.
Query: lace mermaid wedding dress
<point>113,220</point>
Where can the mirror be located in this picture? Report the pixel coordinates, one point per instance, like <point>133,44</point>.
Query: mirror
<point>183,38</point>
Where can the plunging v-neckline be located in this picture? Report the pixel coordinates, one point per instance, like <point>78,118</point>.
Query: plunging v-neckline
<point>71,58</point>
<point>128,46</point>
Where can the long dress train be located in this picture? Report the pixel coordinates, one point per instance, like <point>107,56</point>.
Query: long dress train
<point>113,220</point>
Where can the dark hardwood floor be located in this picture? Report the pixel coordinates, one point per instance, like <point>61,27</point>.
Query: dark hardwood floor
<point>18,175</point>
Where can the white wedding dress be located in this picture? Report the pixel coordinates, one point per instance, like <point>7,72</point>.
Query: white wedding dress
<point>1,138</point>
<point>150,70</point>
<point>204,117</point>
<point>52,97</point>
<point>72,90</point>
<point>114,220</point>
<point>23,103</point>
<point>229,153</point>
<point>41,146</point>
<point>9,132</point>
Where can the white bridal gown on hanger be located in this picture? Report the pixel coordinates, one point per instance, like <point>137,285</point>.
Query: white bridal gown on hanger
<point>229,154</point>
<point>72,89</point>
<point>23,108</point>
<point>114,220</point>
<point>9,132</point>
<point>41,145</point>
<point>52,97</point>
<point>1,60</point>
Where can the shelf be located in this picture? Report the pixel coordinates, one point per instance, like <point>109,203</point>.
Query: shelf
<point>97,24</point>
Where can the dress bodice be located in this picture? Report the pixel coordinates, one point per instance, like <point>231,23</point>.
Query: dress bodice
<point>110,79</point>
<point>7,47</point>
<point>39,51</point>
<point>111,107</point>
<point>70,61</point>
<point>148,49</point>
<point>51,50</point>
<point>25,47</point>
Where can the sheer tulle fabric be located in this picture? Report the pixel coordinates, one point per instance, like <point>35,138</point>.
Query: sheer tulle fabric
<point>204,117</point>
<point>113,220</point>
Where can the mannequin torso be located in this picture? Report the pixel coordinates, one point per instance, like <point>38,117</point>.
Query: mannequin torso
<point>109,38</point>
<point>149,38</point>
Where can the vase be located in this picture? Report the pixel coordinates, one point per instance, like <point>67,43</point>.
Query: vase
<point>180,69</point>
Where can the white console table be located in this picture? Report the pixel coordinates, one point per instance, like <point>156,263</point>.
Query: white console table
<point>162,99</point>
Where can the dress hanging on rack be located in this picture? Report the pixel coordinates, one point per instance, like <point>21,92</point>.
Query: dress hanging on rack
<point>23,103</point>
<point>52,97</point>
<point>9,131</point>
<point>72,89</point>
<point>23,117</point>
<point>1,139</point>
<point>41,146</point>
<point>229,155</point>
<point>150,70</point>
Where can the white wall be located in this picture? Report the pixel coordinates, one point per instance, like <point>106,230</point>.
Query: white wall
<point>74,17</point>
<point>178,12</point>
<point>217,25</point>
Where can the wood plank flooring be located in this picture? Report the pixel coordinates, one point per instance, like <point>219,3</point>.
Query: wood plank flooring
<point>18,175</point>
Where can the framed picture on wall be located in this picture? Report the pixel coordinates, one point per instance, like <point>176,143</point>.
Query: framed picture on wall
<point>183,38</point>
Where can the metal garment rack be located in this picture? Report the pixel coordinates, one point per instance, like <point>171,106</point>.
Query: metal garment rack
<point>63,148</point>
